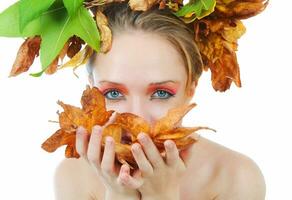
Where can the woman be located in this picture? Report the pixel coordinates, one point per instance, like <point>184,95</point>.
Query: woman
<point>152,66</point>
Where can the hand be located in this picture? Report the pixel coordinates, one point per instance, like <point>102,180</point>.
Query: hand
<point>89,148</point>
<point>159,178</point>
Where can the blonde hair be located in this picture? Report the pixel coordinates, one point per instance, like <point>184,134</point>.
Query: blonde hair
<point>162,22</point>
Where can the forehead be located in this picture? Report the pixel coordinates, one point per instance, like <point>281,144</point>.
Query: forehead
<point>140,57</point>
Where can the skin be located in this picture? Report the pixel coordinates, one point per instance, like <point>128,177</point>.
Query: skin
<point>206,170</point>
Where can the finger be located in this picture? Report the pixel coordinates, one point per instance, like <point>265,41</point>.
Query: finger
<point>172,154</point>
<point>144,165</point>
<point>82,138</point>
<point>151,151</point>
<point>108,158</point>
<point>126,179</point>
<point>111,119</point>
<point>94,146</point>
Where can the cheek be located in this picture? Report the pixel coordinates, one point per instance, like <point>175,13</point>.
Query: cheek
<point>159,110</point>
<point>119,106</point>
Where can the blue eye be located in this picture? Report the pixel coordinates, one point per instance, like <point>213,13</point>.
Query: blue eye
<point>162,94</point>
<point>112,95</point>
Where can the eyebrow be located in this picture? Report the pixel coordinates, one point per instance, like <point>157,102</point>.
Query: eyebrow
<point>153,83</point>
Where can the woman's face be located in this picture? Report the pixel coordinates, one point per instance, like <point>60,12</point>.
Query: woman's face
<point>142,74</point>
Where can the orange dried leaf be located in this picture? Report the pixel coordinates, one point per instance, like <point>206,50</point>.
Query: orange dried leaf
<point>55,141</point>
<point>142,5</point>
<point>105,32</point>
<point>72,117</point>
<point>217,41</point>
<point>225,71</point>
<point>113,130</point>
<point>132,123</point>
<point>240,9</point>
<point>180,132</point>
<point>93,99</point>
<point>180,144</point>
<point>124,128</point>
<point>71,152</point>
<point>217,34</point>
<point>93,104</point>
<point>172,118</point>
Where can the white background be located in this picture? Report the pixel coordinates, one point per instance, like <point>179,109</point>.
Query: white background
<point>254,120</point>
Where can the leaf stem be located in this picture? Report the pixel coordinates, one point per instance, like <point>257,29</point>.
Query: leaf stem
<point>53,121</point>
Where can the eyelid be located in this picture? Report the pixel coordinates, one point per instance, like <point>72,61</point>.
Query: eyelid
<point>165,89</point>
<point>161,88</point>
<point>170,94</point>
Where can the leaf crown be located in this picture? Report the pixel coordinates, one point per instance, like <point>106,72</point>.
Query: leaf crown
<point>54,29</point>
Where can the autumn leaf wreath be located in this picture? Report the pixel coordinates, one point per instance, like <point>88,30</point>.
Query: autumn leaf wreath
<point>55,29</point>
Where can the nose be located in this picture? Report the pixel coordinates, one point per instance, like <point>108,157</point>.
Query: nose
<point>138,107</point>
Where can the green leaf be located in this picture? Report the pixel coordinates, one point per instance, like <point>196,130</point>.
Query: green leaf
<point>32,9</point>
<point>58,27</point>
<point>38,74</point>
<point>72,6</point>
<point>9,23</point>
<point>200,8</point>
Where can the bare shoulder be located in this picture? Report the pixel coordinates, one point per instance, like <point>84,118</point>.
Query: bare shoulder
<point>239,177</point>
<point>74,179</point>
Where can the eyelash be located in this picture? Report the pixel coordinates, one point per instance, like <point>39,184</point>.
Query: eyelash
<point>110,90</point>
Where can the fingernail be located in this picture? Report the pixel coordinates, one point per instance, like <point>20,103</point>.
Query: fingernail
<point>96,128</point>
<point>169,144</point>
<point>142,137</point>
<point>135,147</point>
<point>109,139</point>
<point>80,129</point>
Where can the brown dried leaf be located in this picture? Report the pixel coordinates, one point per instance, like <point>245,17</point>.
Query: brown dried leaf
<point>225,71</point>
<point>64,51</point>
<point>75,44</point>
<point>105,31</point>
<point>125,127</point>
<point>217,34</point>
<point>79,59</point>
<point>240,9</point>
<point>93,104</point>
<point>93,99</point>
<point>53,66</point>
<point>179,132</point>
<point>26,55</point>
<point>72,117</point>
<point>217,41</point>
<point>142,5</point>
